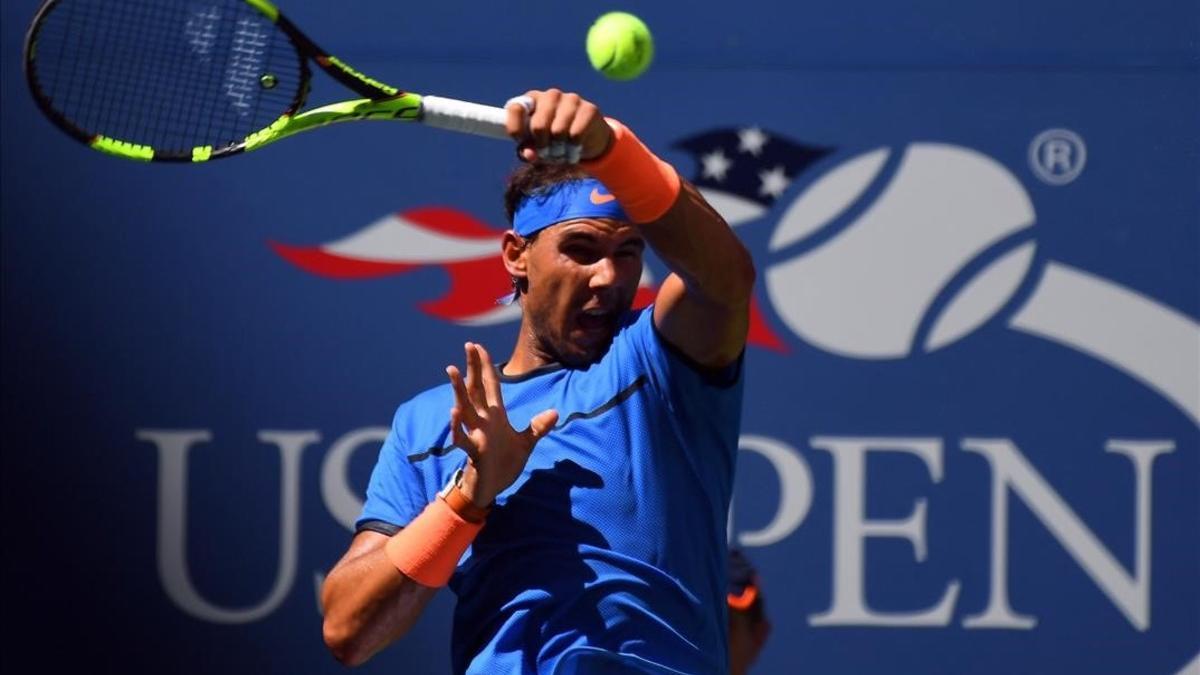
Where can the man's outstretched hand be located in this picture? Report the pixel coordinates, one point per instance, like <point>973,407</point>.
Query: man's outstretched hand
<point>479,425</point>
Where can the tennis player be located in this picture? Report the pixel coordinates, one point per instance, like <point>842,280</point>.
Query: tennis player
<point>573,497</point>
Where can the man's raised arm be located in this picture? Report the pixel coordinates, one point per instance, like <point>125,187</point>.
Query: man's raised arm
<point>703,308</point>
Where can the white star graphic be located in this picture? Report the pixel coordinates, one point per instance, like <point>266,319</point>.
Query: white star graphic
<point>774,182</point>
<point>752,141</point>
<point>716,164</point>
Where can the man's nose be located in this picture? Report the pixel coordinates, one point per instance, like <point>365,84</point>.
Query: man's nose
<point>604,273</point>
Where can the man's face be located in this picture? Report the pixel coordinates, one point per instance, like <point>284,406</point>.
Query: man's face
<point>582,276</point>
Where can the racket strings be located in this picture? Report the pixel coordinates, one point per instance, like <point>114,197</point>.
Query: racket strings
<point>171,74</point>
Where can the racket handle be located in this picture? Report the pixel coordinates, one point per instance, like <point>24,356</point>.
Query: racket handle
<point>469,118</point>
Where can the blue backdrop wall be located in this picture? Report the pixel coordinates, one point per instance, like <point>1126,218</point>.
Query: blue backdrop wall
<point>971,426</point>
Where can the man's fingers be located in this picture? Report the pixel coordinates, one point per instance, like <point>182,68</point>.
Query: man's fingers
<point>593,133</point>
<point>543,115</point>
<point>467,411</point>
<point>584,114</point>
<point>560,129</point>
<point>518,110</point>
<point>475,391</point>
<point>564,115</point>
<point>491,380</point>
<point>516,121</point>
<point>541,424</point>
<point>459,436</point>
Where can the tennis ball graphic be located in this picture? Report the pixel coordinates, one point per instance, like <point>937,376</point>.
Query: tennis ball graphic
<point>867,290</point>
<point>619,45</point>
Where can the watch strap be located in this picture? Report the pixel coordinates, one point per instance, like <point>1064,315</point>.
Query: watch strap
<point>460,504</point>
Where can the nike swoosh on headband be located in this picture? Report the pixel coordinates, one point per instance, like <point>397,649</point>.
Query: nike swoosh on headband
<point>583,198</point>
<point>598,197</point>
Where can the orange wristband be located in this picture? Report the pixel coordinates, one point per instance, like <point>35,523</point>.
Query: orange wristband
<point>645,185</point>
<point>428,550</point>
<point>464,507</point>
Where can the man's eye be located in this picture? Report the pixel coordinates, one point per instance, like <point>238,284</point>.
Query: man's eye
<point>581,253</point>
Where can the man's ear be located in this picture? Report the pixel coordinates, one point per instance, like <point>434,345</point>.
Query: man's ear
<point>513,249</point>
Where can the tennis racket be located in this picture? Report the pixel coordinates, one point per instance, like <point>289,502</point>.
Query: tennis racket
<point>197,80</point>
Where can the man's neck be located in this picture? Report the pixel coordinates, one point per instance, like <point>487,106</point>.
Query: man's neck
<point>527,355</point>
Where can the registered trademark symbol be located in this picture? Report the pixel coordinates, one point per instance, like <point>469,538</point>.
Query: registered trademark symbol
<point>1057,156</point>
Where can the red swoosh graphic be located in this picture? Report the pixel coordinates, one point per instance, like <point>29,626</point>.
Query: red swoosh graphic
<point>313,260</point>
<point>474,287</point>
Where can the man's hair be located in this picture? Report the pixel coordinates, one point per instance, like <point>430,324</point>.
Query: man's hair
<point>532,179</point>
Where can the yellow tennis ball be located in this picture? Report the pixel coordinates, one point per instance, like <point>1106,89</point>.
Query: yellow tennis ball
<point>619,45</point>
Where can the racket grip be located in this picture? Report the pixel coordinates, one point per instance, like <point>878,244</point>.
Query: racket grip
<point>469,118</point>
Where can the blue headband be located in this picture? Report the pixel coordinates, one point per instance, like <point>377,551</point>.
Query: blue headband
<point>583,198</point>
